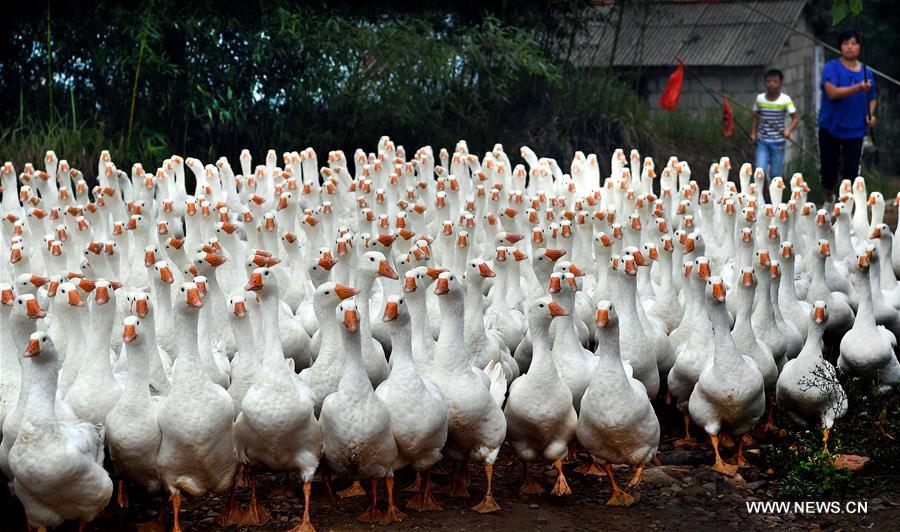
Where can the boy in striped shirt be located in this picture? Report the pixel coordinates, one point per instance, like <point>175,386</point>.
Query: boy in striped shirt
<point>768,132</point>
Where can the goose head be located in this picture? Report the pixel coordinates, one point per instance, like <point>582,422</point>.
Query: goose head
<point>133,331</point>
<point>140,304</point>
<point>395,311</point>
<point>478,269</point>
<point>373,264</point>
<point>238,306</point>
<point>41,351</point>
<point>542,312</point>
<point>27,283</point>
<point>163,272</point>
<point>606,315</point>
<point>715,290</point>
<point>27,306</point>
<point>67,292</point>
<point>329,295</point>
<point>7,296</point>
<point>262,281</point>
<point>189,297</point>
<point>819,314</point>
<point>348,315</point>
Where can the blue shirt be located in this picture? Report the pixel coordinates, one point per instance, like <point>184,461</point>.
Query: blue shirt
<point>845,119</point>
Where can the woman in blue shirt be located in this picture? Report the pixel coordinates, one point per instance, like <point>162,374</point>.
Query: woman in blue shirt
<point>848,108</point>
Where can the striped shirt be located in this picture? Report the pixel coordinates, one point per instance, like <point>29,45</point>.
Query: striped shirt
<point>771,116</point>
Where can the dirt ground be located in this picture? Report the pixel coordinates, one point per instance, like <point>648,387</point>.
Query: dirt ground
<point>681,494</point>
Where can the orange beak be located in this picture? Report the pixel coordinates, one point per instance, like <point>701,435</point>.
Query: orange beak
<point>39,281</point>
<point>863,261</point>
<point>327,262</point>
<point>764,259</point>
<point>746,236</point>
<point>557,310</point>
<point>387,240</point>
<point>718,292</point>
<point>485,270</point>
<point>410,284</point>
<point>193,298</point>
<point>391,311</point>
<point>876,233</point>
<point>86,285</point>
<point>434,273</point>
<point>255,283</point>
<point>654,254</point>
<point>215,260</point>
<point>555,284</point>
<point>33,348</point>
<point>351,320</point>
<point>512,238</point>
<point>101,295</point>
<point>343,292</point>
<point>602,318</point>
<point>576,271</point>
<point>703,272</point>
<point>7,296</point>
<point>554,254</point>
<point>819,314</point>
<point>825,249</point>
<point>129,334</point>
<point>442,286</point>
<point>747,279</point>
<point>639,258</point>
<point>141,308</point>
<point>165,274</point>
<point>149,258</point>
<point>240,309</point>
<point>385,270</point>
<point>631,267</point>
<point>688,245</point>
<point>75,299</point>
<point>33,310</point>
<point>787,251</point>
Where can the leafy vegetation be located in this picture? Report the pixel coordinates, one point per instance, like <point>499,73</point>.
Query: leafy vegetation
<point>869,429</point>
<point>152,78</point>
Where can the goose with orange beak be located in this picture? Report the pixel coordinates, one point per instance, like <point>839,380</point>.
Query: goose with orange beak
<point>371,266</point>
<point>95,389</point>
<point>417,407</point>
<point>487,345</point>
<point>801,391</point>
<point>324,375</point>
<point>59,465</point>
<point>615,395</point>
<point>540,416</point>
<point>730,394</point>
<point>476,425</point>
<point>196,453</point>
<point>286,438</point>
<point>132,427</point>
<point>868,349</point>
<point>356,424</point>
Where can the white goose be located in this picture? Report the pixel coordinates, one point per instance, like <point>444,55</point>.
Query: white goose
<point>196,454</point>
<point>132,427</point>
<point>808,389</point>
<point>277,426</point>
<point>58,466</point>
<point>540,417</point>
<point>617,424</point>
<point>476,424</point>
<point>356,424</point>
<point>418,410</point>
<point>730,393</point>
<point>868,349</point>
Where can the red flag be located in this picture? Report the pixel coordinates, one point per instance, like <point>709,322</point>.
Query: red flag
<point>670,96</point>
<point>727,118</point>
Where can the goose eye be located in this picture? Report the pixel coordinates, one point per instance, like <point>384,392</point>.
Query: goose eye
<point>371,259</point>
<point>267,273</point>
<point>328,292</point>
<point>541,305</point>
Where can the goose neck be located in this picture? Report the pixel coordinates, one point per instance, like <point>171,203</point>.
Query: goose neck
<point>354,379</point>
<point>450,347</point>
<point>40,405</point>
<point>401,344</point>
<point>138,379</point>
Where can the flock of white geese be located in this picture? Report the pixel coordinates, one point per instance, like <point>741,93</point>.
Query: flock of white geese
<point>346,322</point>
